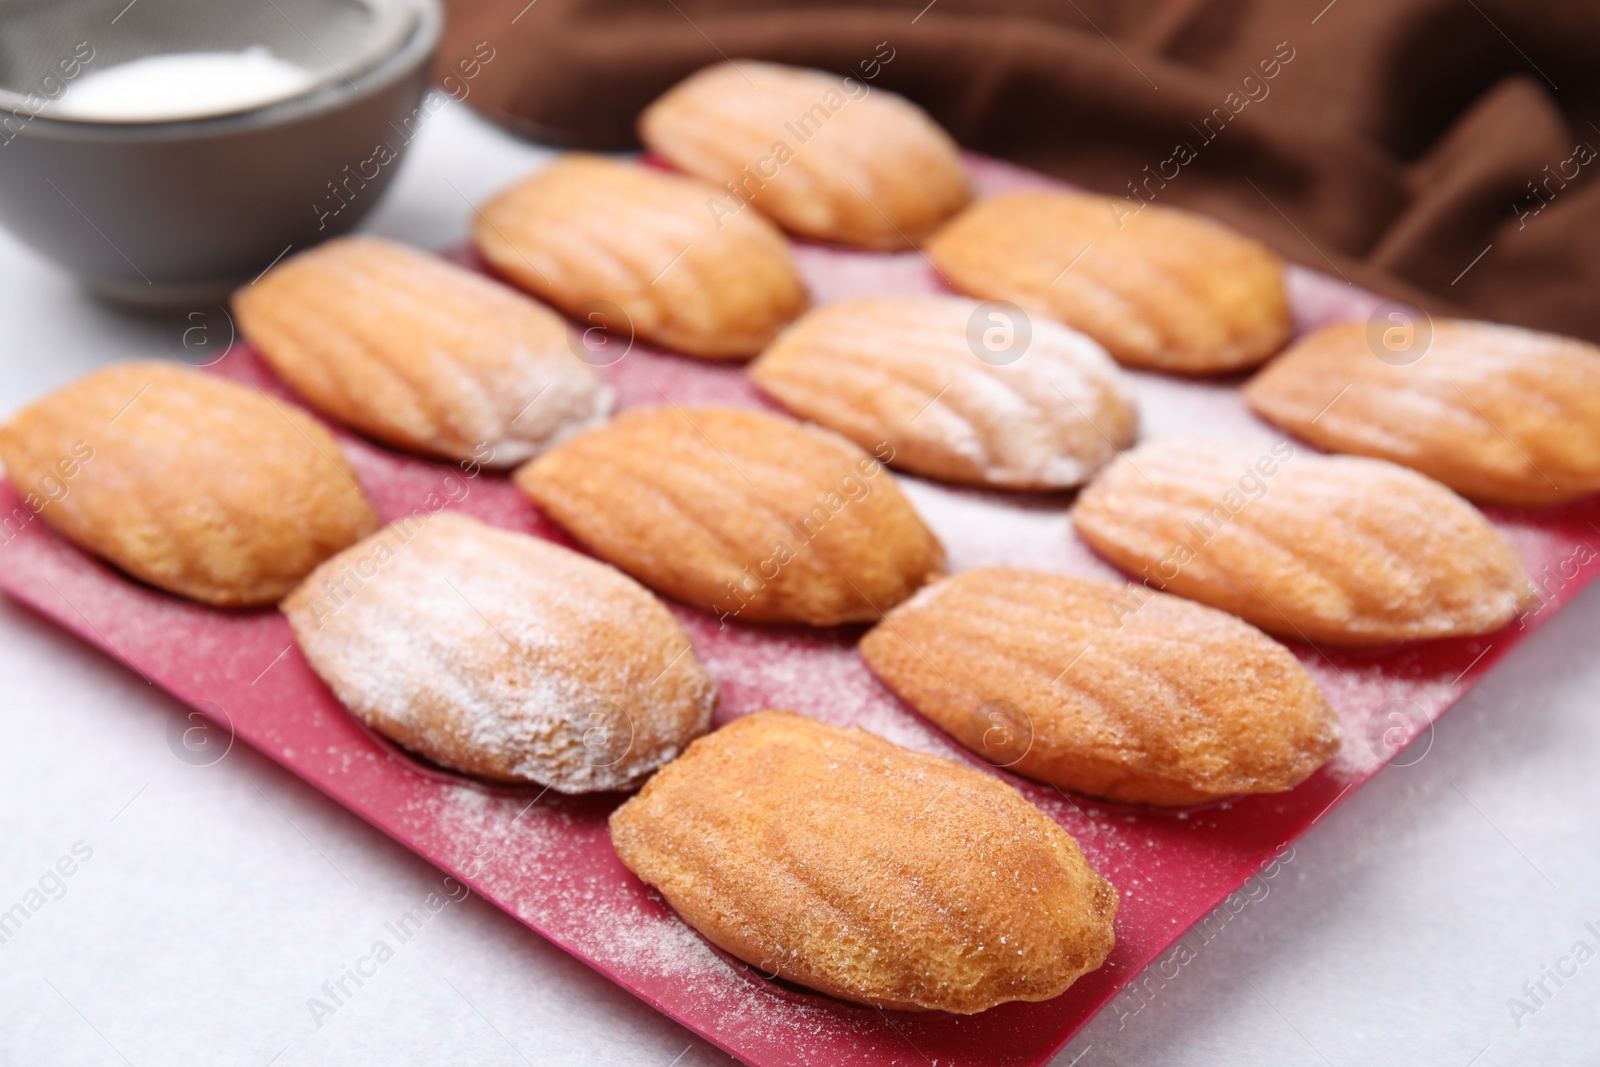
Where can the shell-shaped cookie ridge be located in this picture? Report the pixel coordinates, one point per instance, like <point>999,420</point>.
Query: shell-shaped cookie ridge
<point>913,373</point>
<point>744,514</point>
<point>1105,688</point>
<point>502,655</point>
<point>187,481</point>
<point>829,158</point>
<point>661,257</point>
<point>1160,288</point>
<point>1318,548</point>
<point>844,863</point>
<point>421,354</point>
<point>1498,413</point>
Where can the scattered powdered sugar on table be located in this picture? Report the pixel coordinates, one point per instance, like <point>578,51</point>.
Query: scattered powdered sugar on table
<point>835,273</point>
<point>817,673</point>
<point>993,529</point>
<point>529,851</point>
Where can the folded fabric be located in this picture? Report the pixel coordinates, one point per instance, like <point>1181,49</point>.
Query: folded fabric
<point>1441,151</point>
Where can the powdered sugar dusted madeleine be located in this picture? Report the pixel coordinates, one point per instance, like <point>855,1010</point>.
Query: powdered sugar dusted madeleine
<point>829,158</point>
<point>1105,688</point>
<point>903,370</point>
<point>852,866</point>
<point>419,353</point>
<point>741,513</point>
<point>189,482</point>
<point>1322,548</point>
<point>1159,288</point>
<point>644,253</point>
<point>502,655</point>
<point>1496,413</point>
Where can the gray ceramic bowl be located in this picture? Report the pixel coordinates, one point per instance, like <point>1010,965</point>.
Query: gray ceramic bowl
<point>165,213</point>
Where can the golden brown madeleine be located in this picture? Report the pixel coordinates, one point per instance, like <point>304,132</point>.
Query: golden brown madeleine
<point>829,158</point>
<point>740,513</point>
<point>502,655</point>
<point>1317,548</point>
<point>419,353</point>
<point>1159,288</point>
<point>588,232</point>
<point>907,370</point>
<point>852,866</point>
<point>1105,688</point>
<point>1497,413</point>
<point>194,484</point>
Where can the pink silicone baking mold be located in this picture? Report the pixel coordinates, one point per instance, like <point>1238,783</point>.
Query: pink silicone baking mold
<point>547,860</point>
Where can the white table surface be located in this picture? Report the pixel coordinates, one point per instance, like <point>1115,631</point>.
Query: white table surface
<point>218,899</point>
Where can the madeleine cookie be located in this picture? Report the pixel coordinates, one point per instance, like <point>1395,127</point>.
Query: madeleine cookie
<point>419,353</point>
<point>740,513</point>
<point>644,253</point>
<point>1161,289</point>
<point>502,655</point>
<point>1105,688</point>
<point>913,371</point>
<point>826,157</point>
<point>194,484</point>
<point>1497,413</point>
<point>852,866</point>
<point>1319,548</point>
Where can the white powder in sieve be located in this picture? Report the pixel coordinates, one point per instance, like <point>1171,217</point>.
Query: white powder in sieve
<point>183,85</point>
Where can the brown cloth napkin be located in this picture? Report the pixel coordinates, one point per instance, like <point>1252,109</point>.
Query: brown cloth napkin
<point>1440,151</point>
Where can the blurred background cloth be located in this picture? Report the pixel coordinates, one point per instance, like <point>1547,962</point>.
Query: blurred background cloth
<point>1441,151</point>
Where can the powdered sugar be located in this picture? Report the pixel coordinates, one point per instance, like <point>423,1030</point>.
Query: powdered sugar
<point>487,650</point>
<point>973,392</point>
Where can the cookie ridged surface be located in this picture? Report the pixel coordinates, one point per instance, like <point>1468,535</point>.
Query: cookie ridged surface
<point>905,370</point>
<point>1340,549</point>
<point>419,353</point>
<point>502,655</point>
<point>189,482</point>
<point>828,158</point>
<point>1498,413</point>
<point>1161,289</point>
<point>837,860</point>
<point>585,232</point>
<point>1105,688</point>
<point>741,513</point>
